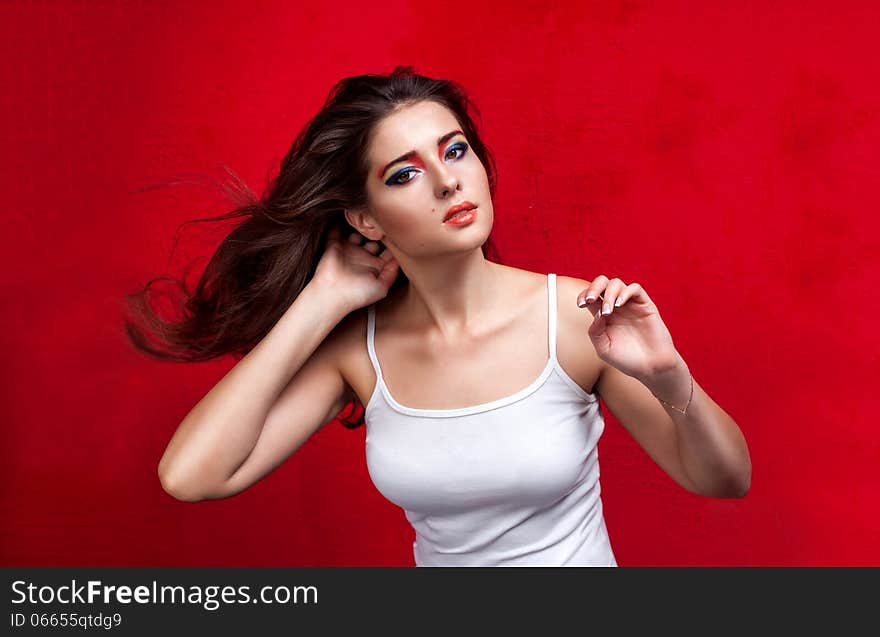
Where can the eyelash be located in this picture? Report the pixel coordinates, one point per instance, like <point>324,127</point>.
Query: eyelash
<point>394,181</point>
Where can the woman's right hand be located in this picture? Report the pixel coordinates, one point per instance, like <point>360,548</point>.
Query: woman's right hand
<point>351,272</point>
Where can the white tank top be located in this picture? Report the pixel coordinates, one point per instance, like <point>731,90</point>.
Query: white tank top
<point>511,482</point>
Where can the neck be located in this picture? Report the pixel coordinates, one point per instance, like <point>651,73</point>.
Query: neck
<point>450,296</point>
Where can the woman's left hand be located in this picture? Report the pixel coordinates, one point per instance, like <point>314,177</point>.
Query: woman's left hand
<point>632,337</point>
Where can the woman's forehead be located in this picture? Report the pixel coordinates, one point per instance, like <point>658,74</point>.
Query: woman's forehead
<point>415,125</point>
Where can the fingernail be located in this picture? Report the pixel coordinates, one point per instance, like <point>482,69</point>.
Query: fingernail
<point>582,304</point>
<point>590,299</point>
<point>606,309</point>
<point>618,302</point>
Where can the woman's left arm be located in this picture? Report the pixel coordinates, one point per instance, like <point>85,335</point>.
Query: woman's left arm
<point>644,376</point>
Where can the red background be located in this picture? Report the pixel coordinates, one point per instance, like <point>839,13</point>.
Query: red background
<point>723,155</point>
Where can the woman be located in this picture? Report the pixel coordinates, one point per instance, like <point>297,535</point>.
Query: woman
<point>480,381</point>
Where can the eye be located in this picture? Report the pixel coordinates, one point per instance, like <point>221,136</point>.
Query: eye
<point>396,178</point>
<point>459,146</point>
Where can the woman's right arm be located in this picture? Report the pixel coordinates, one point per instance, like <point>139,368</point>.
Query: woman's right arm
<point>285,389</point>
<point>220,432</point>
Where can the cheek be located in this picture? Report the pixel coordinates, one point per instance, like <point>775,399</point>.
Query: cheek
<point>408,221</point>
<point>478,173</point>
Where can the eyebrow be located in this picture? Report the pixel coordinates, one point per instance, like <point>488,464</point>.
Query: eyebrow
<point>412,153</point>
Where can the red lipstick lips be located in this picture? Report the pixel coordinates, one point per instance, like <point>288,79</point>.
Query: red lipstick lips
<point>464,205</point>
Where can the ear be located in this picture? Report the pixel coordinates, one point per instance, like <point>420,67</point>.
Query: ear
<point>364,222</point>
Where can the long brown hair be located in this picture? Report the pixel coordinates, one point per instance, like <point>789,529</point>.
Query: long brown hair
<point>263,264</point>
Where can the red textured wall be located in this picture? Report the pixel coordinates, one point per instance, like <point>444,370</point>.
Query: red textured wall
<point>723,155</point>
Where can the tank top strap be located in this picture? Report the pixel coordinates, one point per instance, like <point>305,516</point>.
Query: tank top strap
<point>551,314</point>
<point>371,347</point>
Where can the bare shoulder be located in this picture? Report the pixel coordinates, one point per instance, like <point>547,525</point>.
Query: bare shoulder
<point>348,346</point>
<point>519,281</point>
<point>574,349</point>
<point>350,351</point>
<point>337,344</point>
<point>569,287</point>
<point>570,315</point>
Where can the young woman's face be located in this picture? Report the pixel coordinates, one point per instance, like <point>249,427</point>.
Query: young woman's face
<point>409,198</point>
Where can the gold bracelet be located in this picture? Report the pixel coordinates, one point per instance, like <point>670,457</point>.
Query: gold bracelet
<point>673,406</point>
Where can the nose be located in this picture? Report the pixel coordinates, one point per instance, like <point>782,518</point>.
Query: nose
<point>447,182</point>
